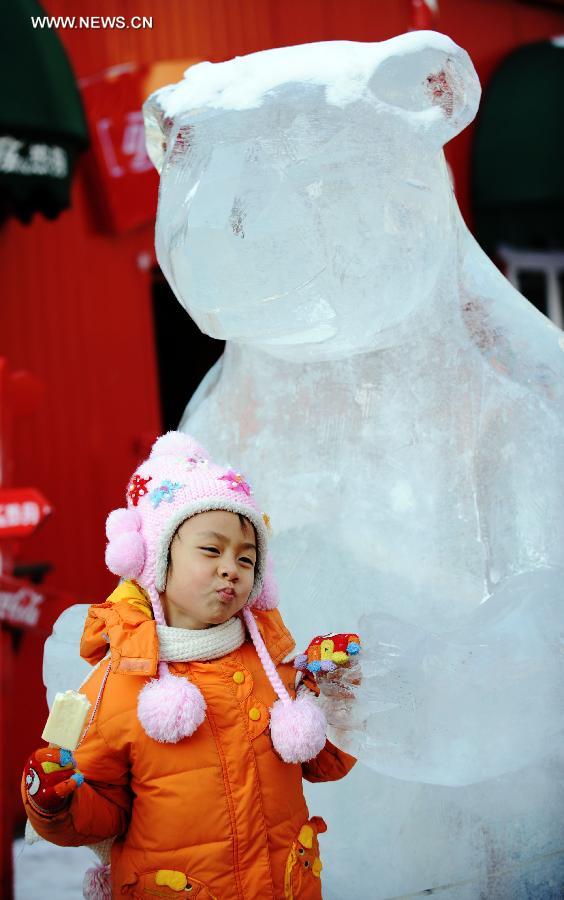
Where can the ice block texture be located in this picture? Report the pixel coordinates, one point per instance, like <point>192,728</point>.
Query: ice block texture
<point>400,408</point>
<point>66,720</point>
<point>62,663</point>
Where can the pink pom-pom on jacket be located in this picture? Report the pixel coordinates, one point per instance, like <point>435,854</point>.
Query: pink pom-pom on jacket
<point>170,708</point>
<point>97,883</point>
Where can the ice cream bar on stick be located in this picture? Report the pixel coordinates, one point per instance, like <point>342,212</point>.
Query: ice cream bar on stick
<point>66,720</point>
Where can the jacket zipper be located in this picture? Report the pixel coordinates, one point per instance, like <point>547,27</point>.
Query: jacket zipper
<point>230,804</point>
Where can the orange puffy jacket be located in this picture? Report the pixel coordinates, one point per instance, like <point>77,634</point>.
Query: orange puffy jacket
<point>217,814</point>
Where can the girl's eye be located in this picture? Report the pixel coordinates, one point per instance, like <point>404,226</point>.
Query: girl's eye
<point>210,549</point>
<point>246,559</point>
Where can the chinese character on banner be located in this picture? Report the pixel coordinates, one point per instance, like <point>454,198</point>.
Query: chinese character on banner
<point>126,181</point>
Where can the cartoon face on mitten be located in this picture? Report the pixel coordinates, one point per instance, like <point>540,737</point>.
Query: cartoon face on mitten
<point>304,206</point>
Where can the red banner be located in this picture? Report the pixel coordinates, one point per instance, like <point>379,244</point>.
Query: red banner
<point>126,181</point>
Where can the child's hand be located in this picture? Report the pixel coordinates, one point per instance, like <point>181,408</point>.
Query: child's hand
<point>340,683</point>
<point>340,697</point>
<point>51,779</point>
<point>334,661</point>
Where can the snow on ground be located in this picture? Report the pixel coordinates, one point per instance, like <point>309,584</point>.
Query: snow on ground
<point>43,869</point>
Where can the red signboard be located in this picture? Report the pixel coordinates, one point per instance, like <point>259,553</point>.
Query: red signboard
<point>21,511</point>
<point>127,182</point>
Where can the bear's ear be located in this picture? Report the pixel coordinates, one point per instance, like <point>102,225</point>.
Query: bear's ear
<point>432,82</point>
<point>157,127</point>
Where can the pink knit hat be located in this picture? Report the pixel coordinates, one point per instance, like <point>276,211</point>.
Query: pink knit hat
<point>177,481</point>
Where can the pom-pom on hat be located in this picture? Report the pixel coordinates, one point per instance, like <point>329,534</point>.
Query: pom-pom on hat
<point>177,481</point>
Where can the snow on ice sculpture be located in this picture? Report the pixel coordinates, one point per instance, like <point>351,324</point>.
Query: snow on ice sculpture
<point>400,408</point>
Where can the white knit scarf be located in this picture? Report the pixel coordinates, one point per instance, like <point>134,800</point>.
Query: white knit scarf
<point>191,644</point>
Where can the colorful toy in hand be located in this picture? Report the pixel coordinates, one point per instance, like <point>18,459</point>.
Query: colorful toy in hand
<point>326,652</point>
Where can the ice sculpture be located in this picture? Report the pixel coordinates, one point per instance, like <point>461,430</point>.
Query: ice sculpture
<point>400,408</point>
<point>63,667</point>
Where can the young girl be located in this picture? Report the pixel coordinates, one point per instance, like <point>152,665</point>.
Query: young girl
<point>193,754</point>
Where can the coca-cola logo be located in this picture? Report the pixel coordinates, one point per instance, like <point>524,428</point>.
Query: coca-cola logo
<point>21,606</point>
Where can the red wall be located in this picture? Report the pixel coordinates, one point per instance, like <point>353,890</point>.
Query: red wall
<point>76,308</point>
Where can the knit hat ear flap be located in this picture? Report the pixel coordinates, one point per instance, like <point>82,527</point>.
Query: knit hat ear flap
<point>169,708</point>
<point>268,597</point>
<point>297,727</point>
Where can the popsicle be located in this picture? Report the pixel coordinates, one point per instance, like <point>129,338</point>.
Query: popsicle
<point>66,719</point>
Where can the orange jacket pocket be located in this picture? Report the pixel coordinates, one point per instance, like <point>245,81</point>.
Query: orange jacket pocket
<point>167,883</point>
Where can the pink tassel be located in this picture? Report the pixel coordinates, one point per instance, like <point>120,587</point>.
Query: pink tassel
<point>297,727</point>
<point>97,883</point>
<point>170,708</point>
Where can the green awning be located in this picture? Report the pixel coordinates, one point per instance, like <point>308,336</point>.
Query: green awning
<point>42,125</point>
<point>517,169</point>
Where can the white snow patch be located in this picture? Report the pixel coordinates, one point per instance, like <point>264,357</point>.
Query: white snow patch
<point>46,868</point>
<point>344,68</point>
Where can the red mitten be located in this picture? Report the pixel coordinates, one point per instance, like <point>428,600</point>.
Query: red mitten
<point>50,779</point>
<point>333,660</point>
<point>328,651</point>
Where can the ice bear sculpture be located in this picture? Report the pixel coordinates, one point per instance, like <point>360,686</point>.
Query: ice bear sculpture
<point>400,409</point>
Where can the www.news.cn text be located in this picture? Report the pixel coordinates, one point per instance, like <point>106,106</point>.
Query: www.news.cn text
<point>92,22</point>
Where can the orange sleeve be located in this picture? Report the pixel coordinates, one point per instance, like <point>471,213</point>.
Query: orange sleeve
<point>101,806</point>
<point>95,813</point>
<point>332,763</point>
<point>329,765</point>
